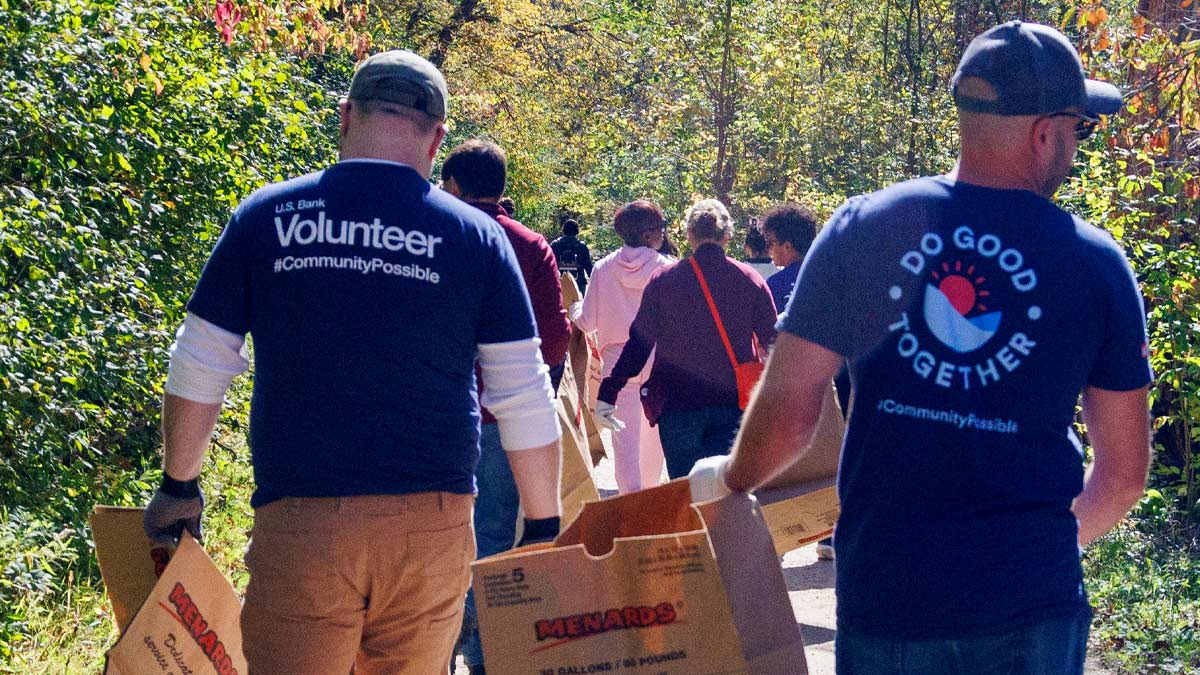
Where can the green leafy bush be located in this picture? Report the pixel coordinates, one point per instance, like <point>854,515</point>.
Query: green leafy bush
<point>1144,581</point>
<point>127,133</point>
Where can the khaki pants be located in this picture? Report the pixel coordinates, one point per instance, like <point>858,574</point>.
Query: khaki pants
<point>374,582</point>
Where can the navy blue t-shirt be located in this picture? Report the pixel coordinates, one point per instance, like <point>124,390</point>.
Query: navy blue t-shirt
<point>781,284</point>
<point>973,318</point>
<point>366,291</point>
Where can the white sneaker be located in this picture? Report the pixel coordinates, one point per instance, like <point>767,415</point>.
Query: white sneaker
<point>825,552</point>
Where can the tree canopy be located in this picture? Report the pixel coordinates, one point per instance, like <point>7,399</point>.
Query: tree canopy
<point>129,130</point>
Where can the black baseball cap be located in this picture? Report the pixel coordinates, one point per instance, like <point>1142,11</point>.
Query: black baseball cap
<point>1027,69</point>
<point>400,76</point>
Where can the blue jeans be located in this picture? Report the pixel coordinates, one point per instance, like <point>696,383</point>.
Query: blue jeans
<point>495,523</point>
<point>1052,647</point>
<point>690,435</point>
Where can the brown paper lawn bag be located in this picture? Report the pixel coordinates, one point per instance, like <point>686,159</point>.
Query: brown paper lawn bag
<point>584,359</point>
<point>578,484</point>
<point>189,623</point>
<point>643,583</point>
<point>801,504</point>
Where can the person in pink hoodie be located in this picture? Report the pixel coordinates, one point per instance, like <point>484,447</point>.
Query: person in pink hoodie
<point>612,299</point>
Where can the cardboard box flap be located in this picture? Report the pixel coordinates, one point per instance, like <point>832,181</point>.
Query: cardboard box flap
<point>754,583</point>
<point>130,563</point>
<point>190,622</point>
<point>666,509</point>
<point>773,495</point>
<point>820,458</point>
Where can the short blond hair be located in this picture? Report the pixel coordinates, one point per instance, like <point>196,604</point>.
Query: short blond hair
<point>708,220</point>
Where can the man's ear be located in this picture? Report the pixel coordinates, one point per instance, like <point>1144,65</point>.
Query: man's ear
<point>438,136</point>
<point>344,106</point>
<point>1041,141</point>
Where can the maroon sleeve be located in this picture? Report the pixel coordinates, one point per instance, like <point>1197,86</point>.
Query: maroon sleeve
<point>540,271</point>
<point>545,292</point>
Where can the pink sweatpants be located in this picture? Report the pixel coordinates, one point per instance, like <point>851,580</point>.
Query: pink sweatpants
<point>637,450</point>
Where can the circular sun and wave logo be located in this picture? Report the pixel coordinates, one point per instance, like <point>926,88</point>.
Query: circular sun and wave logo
<point>956,307</point>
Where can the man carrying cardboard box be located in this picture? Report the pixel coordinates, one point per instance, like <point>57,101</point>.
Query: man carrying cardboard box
<point>370,295</point>
<point>973,311</point>
<point>476,172</point>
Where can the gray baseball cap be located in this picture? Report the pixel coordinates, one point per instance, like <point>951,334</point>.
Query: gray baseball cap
<point>1029,69</point>
<point>400,76</point>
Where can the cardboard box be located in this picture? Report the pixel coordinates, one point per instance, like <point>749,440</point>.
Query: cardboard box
<point>189,623</point>
<point>644,583</point>
<point>130,563</point>
<point>801,504</point>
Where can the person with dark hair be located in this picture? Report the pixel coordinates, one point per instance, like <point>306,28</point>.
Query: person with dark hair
<point>668,247</point>
<point>788,231</point>
<point>372,297</point>
<point>608,308</point>
<point>572,254</point>
<point>692,392</point>
<point>476,172</point>
<point>976,315</point>
<point>757,255</point>
<point>509,206</point>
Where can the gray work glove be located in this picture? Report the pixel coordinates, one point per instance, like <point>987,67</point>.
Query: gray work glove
<point>176,506</point>
<point>605,416</point>
<point>707,478</point>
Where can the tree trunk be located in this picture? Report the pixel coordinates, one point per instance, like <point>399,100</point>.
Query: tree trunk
<point>725,109</point>
<point>466,12</point>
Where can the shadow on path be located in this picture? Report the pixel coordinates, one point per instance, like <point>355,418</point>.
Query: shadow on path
<point>815,635</point>
<point>817,575</point>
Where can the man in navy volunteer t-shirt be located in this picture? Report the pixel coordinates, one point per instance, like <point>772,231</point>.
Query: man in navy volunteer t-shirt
<point>370,295</point>
<point>974,312</point>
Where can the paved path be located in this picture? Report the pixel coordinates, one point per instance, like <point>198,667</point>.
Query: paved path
<point>810,586</point>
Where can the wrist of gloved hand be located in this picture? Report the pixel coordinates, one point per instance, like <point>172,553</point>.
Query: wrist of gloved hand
<point>539,531</point>
<point>180,489</point>
<point>176,506</point>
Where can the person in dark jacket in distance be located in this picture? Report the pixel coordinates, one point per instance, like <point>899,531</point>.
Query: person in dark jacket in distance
<point>788,230</point>
<point>572,254</point>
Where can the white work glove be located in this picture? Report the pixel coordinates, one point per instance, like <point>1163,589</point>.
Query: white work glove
<point>604,416</point>
<point>575,311</point>
<point>707,478</point>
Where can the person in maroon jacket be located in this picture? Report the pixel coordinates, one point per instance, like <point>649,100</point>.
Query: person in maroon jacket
<point>476,172</point>
<point>692,393</point>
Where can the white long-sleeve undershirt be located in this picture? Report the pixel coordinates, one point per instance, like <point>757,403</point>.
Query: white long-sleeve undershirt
<point>517,391</point>
<point>204,360</point>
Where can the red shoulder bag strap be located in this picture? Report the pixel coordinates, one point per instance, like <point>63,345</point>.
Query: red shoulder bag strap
<point>712,307</point>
